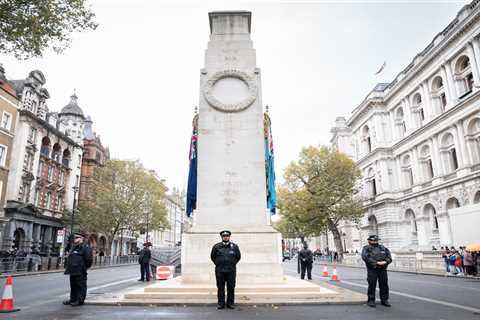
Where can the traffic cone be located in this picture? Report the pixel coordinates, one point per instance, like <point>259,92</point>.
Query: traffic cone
<point>7,304</point>
<point>334,274</point>
<point>325,271</point>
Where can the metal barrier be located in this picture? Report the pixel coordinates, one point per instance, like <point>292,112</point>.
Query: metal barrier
<point>36,263</point>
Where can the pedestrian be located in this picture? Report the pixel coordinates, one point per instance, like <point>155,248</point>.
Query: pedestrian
<point>458,263</point>
<point>377,258</point>
<point>335,256</point>
<point>451,263</point>
<point>468,263</point>
<point>144,260</point>
<point>101,254</point>
<point>446,260</point>
<point>78,261</point>
<point>225,255</point>
<point>306,261</point>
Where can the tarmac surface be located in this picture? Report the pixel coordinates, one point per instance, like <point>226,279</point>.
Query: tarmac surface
<point>412,296</point>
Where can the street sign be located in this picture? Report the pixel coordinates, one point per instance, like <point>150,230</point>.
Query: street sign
<point>165,272</point>
<point>60,234</point>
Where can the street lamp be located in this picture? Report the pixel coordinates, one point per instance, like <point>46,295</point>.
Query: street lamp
<point>72,222</point>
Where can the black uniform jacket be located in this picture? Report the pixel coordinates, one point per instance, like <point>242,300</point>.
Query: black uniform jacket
<point>79,260</point>
<point>225,256</point>
<point>372,254</point>
<point>144,256</point>
<point>305,256</point>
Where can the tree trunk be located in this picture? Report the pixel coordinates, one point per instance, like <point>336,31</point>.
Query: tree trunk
<point>108,249</point>
<point>337,238</point>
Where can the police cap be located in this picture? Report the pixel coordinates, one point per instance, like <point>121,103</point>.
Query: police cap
<point>373,237</point>
<point>225,233</point>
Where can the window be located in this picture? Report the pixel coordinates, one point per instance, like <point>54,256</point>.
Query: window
<point>449,153</point>
<point>422,114</point>
<point>443,100</point>
<point>40,169</point>
<point>28,162</point>
<point>453,157</point>
<point>3,155</point>
<point>50,173</point>
<point>59,203</point>
<point>48,200</point>
<point>32,135</point>
<point>61,178</point>
<point>429,169</point>
<point>6,121</point>
<point>36,197</point>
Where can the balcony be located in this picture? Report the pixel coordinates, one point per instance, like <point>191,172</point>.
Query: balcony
<point>44,151</point>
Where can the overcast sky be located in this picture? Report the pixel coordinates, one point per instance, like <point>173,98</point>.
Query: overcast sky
<point>137,75</point>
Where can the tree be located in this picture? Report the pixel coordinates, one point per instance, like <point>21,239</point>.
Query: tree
<point>320,190</point>
<point>123,196</point>
<point>29,27</point>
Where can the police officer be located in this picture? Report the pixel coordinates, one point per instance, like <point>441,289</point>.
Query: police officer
<point>306,261</point>
<point>144,257</point>
<point>376,258</point>
<point>225,255</point>
<point>78,261</point>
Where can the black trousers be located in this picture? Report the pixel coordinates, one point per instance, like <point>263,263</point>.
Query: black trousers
<point>145,271</point>
<point>374,274</point>
<point>78,288</point>
<point>229,279</point>
<point>308,267</point>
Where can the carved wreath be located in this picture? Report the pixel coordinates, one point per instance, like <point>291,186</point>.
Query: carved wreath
<point>235,107</point>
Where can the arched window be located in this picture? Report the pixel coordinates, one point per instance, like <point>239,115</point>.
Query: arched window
<point>410,217</point>
<point>463,75</point>
<point>400,122</point>
<point>473,139</point>
<point>453,203</point>
<point>476,198</point>
<point>367,140</point>
<point>426,163</point>
<point>417,108</point>
<point>19,238</point>
<point>56,151</point>
<point>430,212</point>
<point>438,93</point>
<point>66,158</point>
<point>45,149</point>
<point>372,225</point>
<point>449,153</point>
<point>407,171</point>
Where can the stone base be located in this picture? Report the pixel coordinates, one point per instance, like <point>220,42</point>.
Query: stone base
<point>261,255</point>
<point>289,291</point>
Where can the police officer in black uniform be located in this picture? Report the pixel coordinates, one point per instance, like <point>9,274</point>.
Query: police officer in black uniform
<point>225,255</point>
<point>78,261</point>
<point>376,258</point>
<point>306,261</point>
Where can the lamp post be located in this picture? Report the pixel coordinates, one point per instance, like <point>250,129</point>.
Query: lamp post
<point>72,222</point>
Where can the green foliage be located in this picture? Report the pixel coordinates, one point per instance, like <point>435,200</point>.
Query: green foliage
<point>123,196</point>
<point>28,27</point>
<point>320,190</point>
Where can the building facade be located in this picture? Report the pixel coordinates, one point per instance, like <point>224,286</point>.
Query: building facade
<point>417,143</point>
<point>8,121</point>
<point>45,167</point>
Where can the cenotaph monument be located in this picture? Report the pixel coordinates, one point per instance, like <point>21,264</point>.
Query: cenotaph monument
<point>231,159</point>
<point>231,187</point>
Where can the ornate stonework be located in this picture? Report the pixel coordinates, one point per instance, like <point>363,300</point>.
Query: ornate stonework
<point>236,107</point>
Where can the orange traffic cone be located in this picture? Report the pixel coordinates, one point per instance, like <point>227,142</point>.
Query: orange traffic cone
<point>7,304</point>
<point>334,274</point>
<point>325,271</point>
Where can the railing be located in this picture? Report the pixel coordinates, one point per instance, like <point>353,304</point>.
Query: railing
<point>37,263</point>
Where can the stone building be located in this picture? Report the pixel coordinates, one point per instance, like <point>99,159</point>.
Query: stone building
<point>417,143</point>
<point>8,120</point>
<point>45,167</point>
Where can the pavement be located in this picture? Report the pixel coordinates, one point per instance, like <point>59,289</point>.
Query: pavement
<point>412,296</point>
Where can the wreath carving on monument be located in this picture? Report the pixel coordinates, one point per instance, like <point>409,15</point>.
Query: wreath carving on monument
<point>234,107</point>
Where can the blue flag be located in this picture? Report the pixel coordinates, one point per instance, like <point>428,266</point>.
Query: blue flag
<point>270,167</point>
<point>192,175</point>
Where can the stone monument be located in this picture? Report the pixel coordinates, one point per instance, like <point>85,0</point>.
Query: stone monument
<point>231,188</point>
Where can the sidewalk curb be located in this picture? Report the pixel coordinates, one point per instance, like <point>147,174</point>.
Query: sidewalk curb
<point>24,274</point>
<point>404,271</point>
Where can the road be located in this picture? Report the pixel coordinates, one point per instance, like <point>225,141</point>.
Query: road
<point>412,296</point>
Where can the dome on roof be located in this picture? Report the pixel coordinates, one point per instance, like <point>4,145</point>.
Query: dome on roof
<point>72,107</point>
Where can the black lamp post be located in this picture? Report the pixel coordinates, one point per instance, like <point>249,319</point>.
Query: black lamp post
<point>72,222</point>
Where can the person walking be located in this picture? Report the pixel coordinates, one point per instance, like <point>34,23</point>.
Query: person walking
<point>225,255</point>
<point>377,258</point>
<point>306,261</point>
<point>79,260</point>
<point>144,257</point>
<point>468,263</point>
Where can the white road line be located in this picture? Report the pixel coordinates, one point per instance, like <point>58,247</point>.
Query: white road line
<point>445,303</point>
<point>111,284</point>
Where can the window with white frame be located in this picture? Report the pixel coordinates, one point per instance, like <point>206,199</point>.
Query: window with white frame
<point>371,183</point>
<point>6,121</point>
<point>463,75</point>
<point>3,154</point>
<point>473,139</point>
<point>61,178</point>
<point>59,203</point>
<point>48,200</point>
<point>400,122</point>
<point>438,93</point>
<point>367,141</point>
<point>32,135</point>
<point>407,171</point>
<point>449,153</point>
<point>426,163</point>
<point>418,111</point>
<point>50,174</point>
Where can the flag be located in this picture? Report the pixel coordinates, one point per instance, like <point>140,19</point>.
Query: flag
<point>269,167</point>
<point>381,68</point>
<point>192,173</point>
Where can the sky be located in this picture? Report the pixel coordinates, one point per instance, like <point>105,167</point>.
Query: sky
<point>138,74</point>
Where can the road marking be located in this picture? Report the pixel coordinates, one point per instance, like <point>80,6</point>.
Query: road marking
<point>441,302</point>
<point>111,284</point>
